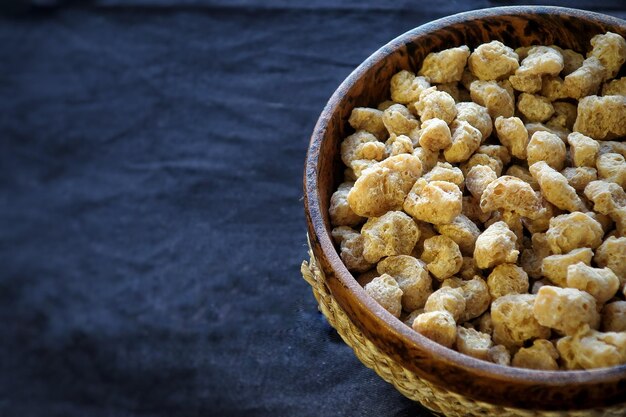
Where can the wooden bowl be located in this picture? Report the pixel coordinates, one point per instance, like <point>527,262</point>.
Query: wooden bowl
<point>445,369</point>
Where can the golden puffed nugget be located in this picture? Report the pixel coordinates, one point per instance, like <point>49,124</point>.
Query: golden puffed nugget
<point>445,66</point>
<point>442,256</point>
<point>387,293</point>
<point>496,245</point>
<point>590,349</point>
<point>393,233</point>
<point>384,186</point>
<point>437,202</point>
<point>541,355</point>
<point>412,278</point>
<point>514,322</point>
<point>351,248</point>
<point>566,310</point>
<point>438,326</point>
<point>447,299</point>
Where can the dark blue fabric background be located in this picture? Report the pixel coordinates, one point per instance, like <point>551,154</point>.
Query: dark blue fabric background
<point>151,222</point>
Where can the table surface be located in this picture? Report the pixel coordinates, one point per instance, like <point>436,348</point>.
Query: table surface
<point>151,213</point>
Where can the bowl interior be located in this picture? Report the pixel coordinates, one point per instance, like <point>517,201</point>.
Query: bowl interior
<point>367,86</point>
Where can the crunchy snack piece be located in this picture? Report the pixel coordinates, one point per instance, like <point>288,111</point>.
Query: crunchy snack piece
<point>566,310</point>
<point>370,120</point>
<point>541,355</point>
<point>357,167</point>
<point>406,87</point>
<point>592,349</point>
<point>552,88</point>
<point>445,66</point>
<point>465,140</point>
<point>473,343</point>
<point>541,60</point>
<point>387,293</point>
<point>399,120</point>
<point>602,284</point>
<point>513,134</point>
<point>532,257</point>
<point>435,135</point>
<point>443,171</point>
<point>507,279</point>
<point>612,254</point>
<point>523,174</point>
<point>583,150</point>
<point>492,96</point>
<point>384,186</point>
<point>397,145</point>
<point>500,355</point>
<point>361,145</point>
<point>462,231</point>
<point>572,60</point>
<point>554,267</point>
<point>612,168</point>
<point>411,276</point>
<point>427,157</point>
<point>526,83</point>
<point>340,212</point>
<point>447,299</point>
<point>564,116</point>
<point>351,248</point>
<point>541,222</point>
<point>544,146</point>
<point>614,317</point>
<point>555,188</point>
<point>607,197</point>
<point>610,49</point>
<point>585,80</point>
<point>511,194</point>
<point>615,87</point>
<point>435,104</point>
<point>496,151</point>
<point>437,202</point>
<point>438,326</point>
<point>495,245</point>
<point>535,108</point>
<point>580,177</point>
<point>482,159</point>
<point>443,257</point>
<point>601,117</point>
<point>478,178</point>
<point>572,231</point>
<point>475,293</point>
<point>493,61</point>
<point>468,269</point>
<point>476,115</point>
<point>514,322</point>
<point>393,233</point>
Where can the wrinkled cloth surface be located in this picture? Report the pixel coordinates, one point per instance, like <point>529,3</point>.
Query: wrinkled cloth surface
<point>152,227</point>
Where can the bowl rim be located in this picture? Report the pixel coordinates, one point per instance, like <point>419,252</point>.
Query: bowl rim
<point>314,214</point>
